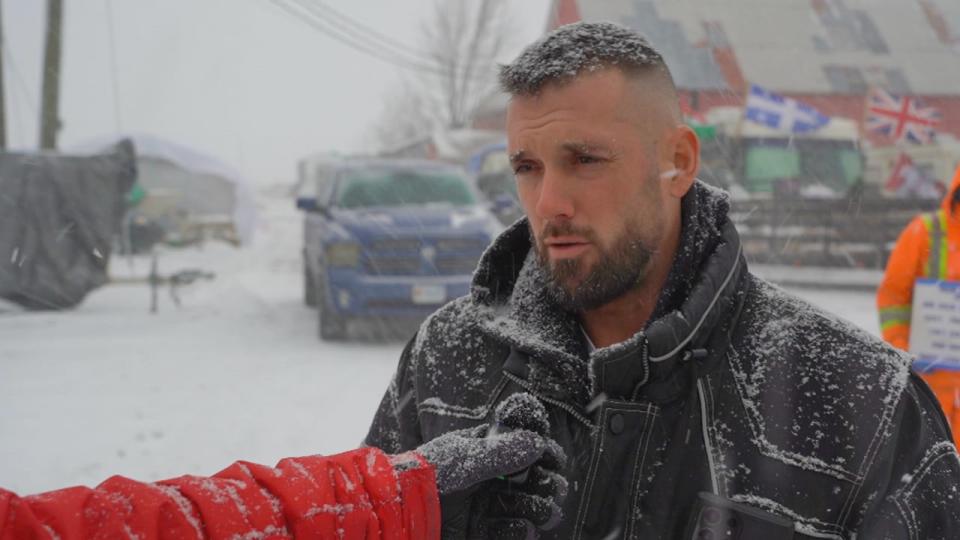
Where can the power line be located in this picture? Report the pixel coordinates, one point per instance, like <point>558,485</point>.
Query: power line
<point>3,104</point>
<point>16,73</point>
<point>24,91</point>
<point>362,36</point>
<point>371,36</point>
<point>370,31</point>
<point>111,37</point>
<point>316,23</point>
<point>359,38</point>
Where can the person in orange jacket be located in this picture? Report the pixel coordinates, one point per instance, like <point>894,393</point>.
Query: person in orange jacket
<point>362,494</point>
<point>929,247</point>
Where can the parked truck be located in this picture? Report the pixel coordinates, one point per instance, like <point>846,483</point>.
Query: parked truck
<point>749,158</point>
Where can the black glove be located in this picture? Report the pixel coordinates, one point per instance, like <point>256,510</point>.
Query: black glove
<point>496,480</point>
<point>470,456</point>
<point>528,502</point>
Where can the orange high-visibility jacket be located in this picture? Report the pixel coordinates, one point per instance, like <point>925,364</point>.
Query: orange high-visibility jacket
<point>928,248</point>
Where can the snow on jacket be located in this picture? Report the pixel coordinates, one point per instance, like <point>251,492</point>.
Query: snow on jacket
<point>929,247</point>
<point>735,387</point>
<point>354,495</point>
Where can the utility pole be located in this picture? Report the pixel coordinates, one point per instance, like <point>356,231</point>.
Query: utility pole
<point>50,108</point>
<point>3,105</point>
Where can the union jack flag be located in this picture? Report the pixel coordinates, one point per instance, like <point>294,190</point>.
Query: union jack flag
<point>901,118</point>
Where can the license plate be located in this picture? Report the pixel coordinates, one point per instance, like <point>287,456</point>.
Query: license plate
<point>429,294</point>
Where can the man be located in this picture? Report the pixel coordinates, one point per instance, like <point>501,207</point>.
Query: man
<point>623,302</point>
<point>929,247</point>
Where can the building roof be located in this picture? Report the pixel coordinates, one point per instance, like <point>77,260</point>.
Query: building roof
<point>799,46</point>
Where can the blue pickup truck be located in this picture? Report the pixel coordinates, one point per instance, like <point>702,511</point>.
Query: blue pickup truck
<point>491,174</point>
<point>388,239</point>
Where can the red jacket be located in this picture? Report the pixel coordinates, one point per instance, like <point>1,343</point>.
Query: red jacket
<point>354,495</point>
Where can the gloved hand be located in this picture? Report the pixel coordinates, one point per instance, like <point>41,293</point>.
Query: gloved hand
<point>514,459</point>
<point>528,502</point>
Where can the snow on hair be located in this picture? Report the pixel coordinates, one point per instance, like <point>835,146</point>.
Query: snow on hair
<point>575,48</point>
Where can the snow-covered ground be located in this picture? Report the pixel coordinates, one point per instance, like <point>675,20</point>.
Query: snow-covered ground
<point>236,372</point>
<point>857,307</point>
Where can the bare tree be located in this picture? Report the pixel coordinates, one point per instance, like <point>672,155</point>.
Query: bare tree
<point>462,40</point>
<point>403,118</point>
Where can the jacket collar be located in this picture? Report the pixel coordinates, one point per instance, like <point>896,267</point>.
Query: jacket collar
<point>517,310</point>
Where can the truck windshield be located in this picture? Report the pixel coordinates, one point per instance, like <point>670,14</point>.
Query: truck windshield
<point>384,187</point>
<point>835,164</point>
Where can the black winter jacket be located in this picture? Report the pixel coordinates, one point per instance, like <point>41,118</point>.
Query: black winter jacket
<point>735,388</point>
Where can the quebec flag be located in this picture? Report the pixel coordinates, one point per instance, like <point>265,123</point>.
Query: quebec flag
<point>782,113</point>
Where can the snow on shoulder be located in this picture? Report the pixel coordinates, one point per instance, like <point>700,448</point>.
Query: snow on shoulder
<point>816,389</point>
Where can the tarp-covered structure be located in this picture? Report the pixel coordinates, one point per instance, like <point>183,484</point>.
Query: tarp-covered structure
<point>187,186</point>
<point>59,215</point>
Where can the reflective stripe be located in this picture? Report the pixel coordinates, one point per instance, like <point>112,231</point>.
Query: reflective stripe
<point>892,315</point>
<point>936,265</point>
<point>944,248</point>
<point>932,227</point>
<point>886,325</point>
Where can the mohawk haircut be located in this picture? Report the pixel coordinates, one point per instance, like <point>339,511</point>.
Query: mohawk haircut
<point>570,50</point>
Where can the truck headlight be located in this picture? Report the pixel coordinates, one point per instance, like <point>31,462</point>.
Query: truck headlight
<point>343,254</point>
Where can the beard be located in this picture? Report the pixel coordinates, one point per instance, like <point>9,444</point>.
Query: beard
<point>620,268</point>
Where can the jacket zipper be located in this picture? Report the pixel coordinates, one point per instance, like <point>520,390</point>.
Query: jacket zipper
<point>557,403</point>
<point>645,361</point>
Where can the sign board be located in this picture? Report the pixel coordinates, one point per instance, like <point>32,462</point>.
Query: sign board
<point>935,325</point>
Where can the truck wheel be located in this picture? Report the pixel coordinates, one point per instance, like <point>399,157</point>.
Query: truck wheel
<point>332,327</point>
<point>309,289</point>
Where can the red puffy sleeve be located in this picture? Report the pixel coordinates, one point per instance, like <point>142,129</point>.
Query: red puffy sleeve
<point>354,495</point>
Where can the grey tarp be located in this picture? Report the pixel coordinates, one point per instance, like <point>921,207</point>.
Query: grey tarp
<point>58,218</point>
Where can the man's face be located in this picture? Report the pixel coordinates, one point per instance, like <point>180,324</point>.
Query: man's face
<point>587,171</point>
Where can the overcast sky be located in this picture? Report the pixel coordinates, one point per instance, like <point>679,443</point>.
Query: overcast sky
<point>239,79</point>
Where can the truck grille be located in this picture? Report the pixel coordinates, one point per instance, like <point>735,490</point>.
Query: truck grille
<point>460,244</point>
<point>403,256</point>
<point>413,266</point>
<point>395,244</point>
<point>456,265</point>
<point>393,266</point>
